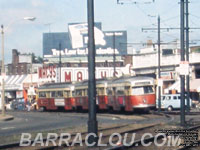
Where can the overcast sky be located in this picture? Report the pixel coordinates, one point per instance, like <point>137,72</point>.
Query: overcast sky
<point>54,16</point>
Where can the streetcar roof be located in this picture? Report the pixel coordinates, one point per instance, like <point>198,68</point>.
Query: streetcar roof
<point>132,79</point>
<point>85,82</point>
<point>56,85</point>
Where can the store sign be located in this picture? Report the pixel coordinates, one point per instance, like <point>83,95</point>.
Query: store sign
<point>19,94</point>
<point>79,73</point>
<point>184,68</point>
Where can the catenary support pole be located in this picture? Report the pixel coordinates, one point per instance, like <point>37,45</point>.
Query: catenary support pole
<point>2,74</point>
<point>159,88</point>
<point>182,77</point>
<point>187,53</point>
<point>92,122</point>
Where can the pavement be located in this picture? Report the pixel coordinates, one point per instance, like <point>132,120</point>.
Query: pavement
<point>6,117</point>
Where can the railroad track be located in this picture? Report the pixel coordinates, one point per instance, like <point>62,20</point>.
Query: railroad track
<point>17,144</point>
<point>137,145</point>
<point>178,113</point>
<point>122,129</point>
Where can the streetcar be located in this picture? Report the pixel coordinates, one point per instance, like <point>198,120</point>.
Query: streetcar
<point>81,94</point>
<point>126,93</point>
<point>54,96</point>
<point>131,93</point>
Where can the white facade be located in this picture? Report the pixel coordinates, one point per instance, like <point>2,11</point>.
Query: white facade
<point>24,58</point>
<point>151,60</point>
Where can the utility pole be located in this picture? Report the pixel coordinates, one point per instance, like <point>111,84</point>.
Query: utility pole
<point>114,56</point>
<point>60,63</point>
<point>159,88</point>
<point>158,74</point>
<point>2,74</point>
<point>182,77</point>
<point>187,54</point>
<point>92,122</point>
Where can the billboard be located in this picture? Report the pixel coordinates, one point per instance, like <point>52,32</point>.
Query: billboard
<point>74,42</point>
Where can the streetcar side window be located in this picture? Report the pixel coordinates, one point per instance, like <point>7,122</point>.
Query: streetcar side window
<point>120,92</point>
<point>85,92</point>
<point>78,93</point>
<point>59,94</point>
<point>127,90</point>
<point>109,91</point>
<point>67,93</point>
<point>73,93</point>
<point>42,94</point>
<point>100,91</point>
<point>56,93</point>
<point>53,94</point>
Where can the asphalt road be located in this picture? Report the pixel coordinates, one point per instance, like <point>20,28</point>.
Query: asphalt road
<point>26,122</point>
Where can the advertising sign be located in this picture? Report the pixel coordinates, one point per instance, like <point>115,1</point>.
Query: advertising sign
<point>74,42</point>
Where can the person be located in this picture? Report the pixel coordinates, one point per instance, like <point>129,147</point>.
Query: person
<point>28,106</point>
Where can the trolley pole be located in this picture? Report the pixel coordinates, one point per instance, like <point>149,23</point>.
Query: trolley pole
<point>92,122</point>
<point>159,88</point>
<point>182,77</point>
<point>2,74</point>
<point>187,54</point>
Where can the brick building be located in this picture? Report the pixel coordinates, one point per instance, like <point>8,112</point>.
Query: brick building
<point>21,64</point>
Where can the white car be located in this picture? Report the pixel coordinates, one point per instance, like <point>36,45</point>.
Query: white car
<point>171,102</point>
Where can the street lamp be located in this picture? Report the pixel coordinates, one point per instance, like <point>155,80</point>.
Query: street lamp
<point>2,65</point>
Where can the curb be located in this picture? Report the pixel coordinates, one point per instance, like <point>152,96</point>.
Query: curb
<point>7,118</point>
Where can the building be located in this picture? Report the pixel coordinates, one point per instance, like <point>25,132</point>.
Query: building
<point>21,64</point>
<point>147,64</point>
<point>71,47</point>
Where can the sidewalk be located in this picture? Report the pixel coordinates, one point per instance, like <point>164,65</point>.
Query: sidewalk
<point>6,117</point>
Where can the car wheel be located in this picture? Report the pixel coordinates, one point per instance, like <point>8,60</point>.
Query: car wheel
<point>170,108</point>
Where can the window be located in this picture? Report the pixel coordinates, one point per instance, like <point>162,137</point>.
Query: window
<point>109,91</point>
<point>42,94</point>
<point>53,94</point>
<point>148,89</point>
<point>59,94</point>
<point>174,97</point>
<point>67,93</point>
<point>167,51</point>
<point>100,91</point>
<point>120,92</point>
<point>142,90</point>
<point>168,97</point>
<point>78,93</point>
<point>137,90</point>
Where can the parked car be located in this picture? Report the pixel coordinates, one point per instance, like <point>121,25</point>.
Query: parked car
<point>18,104</point>
<point>171,102</point>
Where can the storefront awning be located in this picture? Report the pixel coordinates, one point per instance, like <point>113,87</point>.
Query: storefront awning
<point>14,82</point>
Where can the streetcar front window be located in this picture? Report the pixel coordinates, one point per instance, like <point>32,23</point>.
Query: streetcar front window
<point>148,89</point>
<point>142,90</point>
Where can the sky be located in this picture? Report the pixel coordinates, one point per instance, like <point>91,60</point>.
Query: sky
<point>54,16</point>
